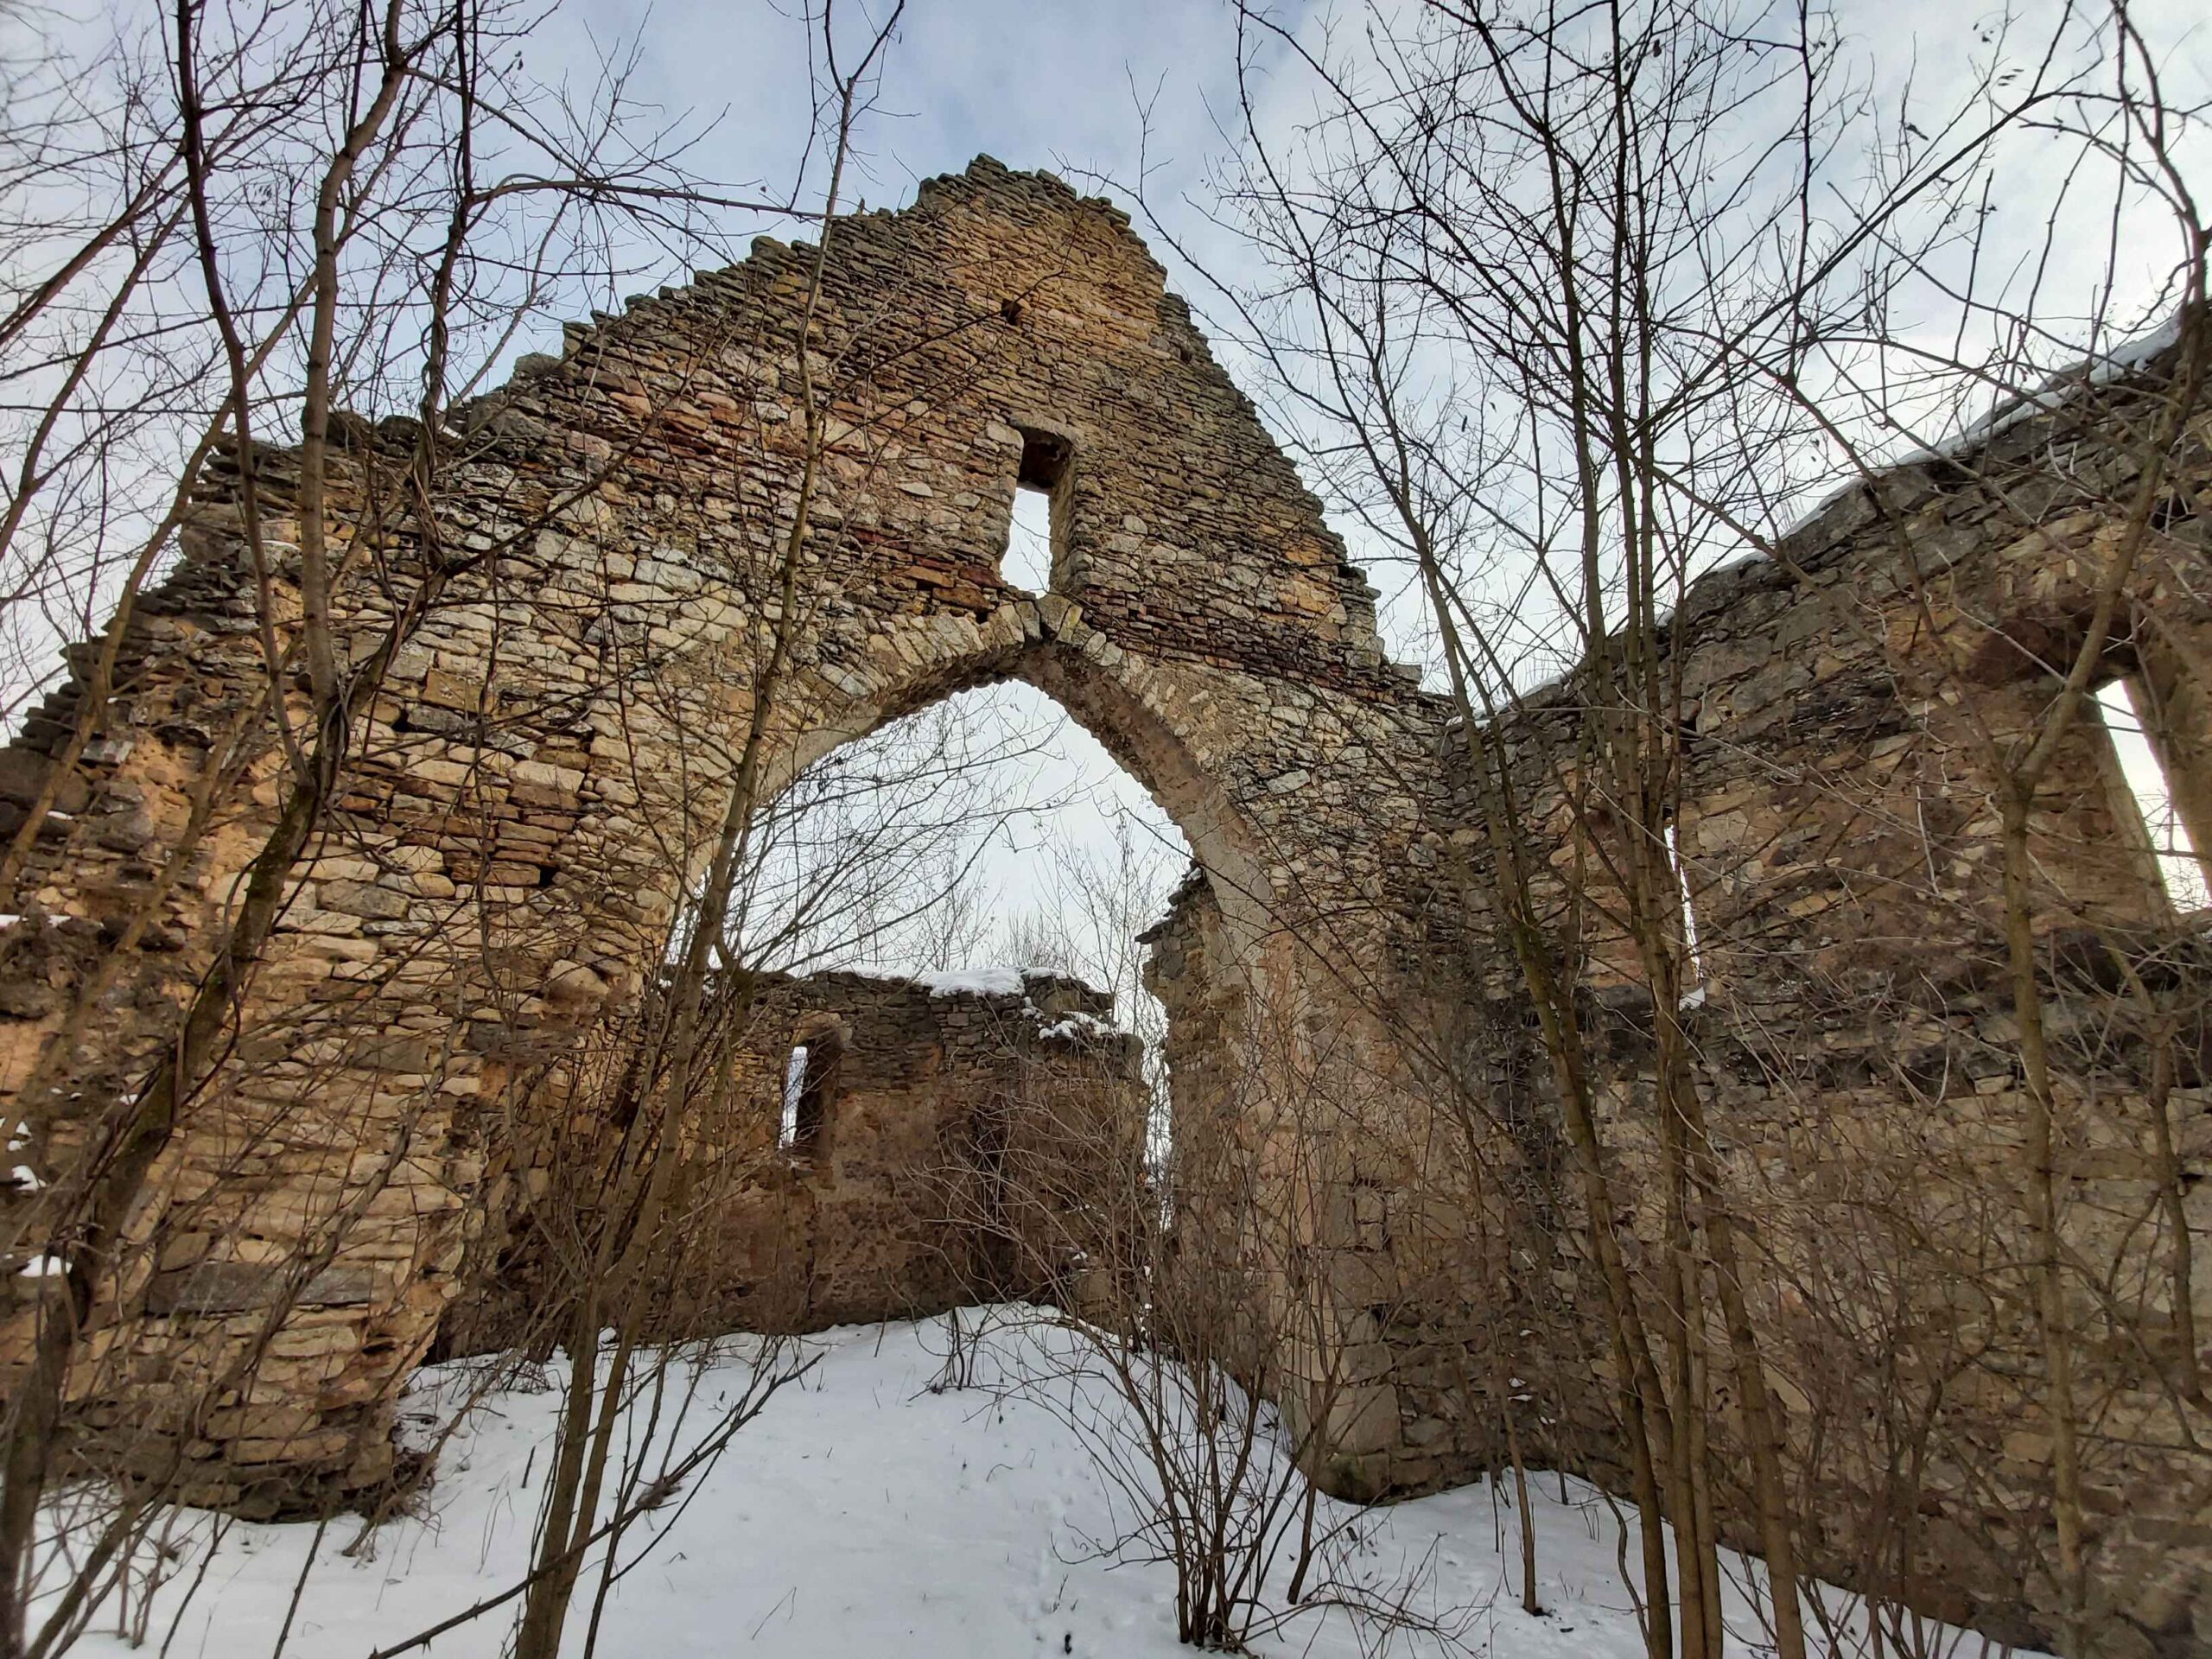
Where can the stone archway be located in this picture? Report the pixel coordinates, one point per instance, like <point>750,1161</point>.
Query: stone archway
<point>539,764</point>
<point>1046,644</point>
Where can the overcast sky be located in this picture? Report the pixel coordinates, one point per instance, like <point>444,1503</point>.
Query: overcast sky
<point>1040,84</point>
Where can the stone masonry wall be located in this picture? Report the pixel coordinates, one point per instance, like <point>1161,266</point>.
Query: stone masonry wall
<point>542,769</point>
<point>543,763</point>
<point>875,1213</point>
<point>1857,1048</point>
<point>1857,1053</point>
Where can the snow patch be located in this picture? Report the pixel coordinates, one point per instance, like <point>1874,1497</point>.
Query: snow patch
<point>975,982</point>
<point>1076,1025</point>
<point>2099,369</point>
<point>871,1511</point>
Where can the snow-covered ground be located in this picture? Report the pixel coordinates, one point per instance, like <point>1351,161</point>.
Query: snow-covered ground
<point>862,1514</point>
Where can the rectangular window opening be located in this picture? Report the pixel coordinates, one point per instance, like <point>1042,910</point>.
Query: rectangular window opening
<point>794,1092</point>
<point>1027,562</point>
<point>2144,771</point>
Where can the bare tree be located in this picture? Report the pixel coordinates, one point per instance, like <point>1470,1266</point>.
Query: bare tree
<point>1189,1348</point>
<point>342,208</point>
<point>1098,903</point>
<point>672,1069</point>
<point>1568,305</point>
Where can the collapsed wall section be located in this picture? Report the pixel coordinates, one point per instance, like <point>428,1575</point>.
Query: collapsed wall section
<point>848,1176</point>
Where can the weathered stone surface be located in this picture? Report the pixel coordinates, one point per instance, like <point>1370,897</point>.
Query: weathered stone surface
<point>538,770</point>
<point>537,776</point>
<point>877,1210</point>
<point>232,1287</point>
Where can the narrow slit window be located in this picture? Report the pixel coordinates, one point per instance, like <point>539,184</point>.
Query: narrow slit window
<point>2144,772</point>
<point>794,1093</point>
<point>1694,978</point>
<point>1028,561</point>
<point>808,1076</point>
<point>1041,481</point>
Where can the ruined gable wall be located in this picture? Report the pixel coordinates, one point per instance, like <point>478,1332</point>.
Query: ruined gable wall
<point>545,757</point>
<point>542,765</point>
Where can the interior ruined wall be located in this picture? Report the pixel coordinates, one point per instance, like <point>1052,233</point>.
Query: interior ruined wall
<point>544,759</point>
<point>882,1213</point>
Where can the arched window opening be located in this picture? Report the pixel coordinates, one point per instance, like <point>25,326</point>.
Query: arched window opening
<point>809,1080</point>
<point>2149,782</point>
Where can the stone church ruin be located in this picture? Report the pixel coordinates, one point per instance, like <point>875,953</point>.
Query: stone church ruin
<point>530,783</point>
